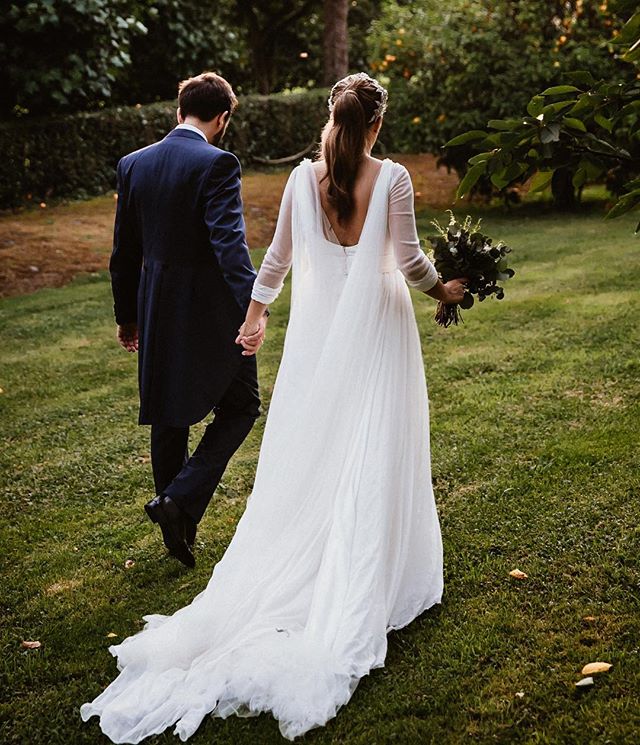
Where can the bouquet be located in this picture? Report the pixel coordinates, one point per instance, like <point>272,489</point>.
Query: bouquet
<point>461,250</point>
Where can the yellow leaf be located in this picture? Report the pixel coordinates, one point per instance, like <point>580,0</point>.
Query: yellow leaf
<point>596,667</point>
<point>518,574</point>
<point>111,635</point>
<point>31,645</point>
<point>590,619</point>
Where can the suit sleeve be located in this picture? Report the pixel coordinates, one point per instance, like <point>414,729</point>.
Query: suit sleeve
<point>225,222</point>
<point>126,258</point>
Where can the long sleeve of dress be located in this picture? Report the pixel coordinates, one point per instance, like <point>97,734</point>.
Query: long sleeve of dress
<point>277,260</point>
<point>418,271</point>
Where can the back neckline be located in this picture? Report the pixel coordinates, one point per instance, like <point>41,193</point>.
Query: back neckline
<point>321,211</point>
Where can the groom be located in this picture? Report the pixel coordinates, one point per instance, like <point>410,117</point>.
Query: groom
<point>181,278</point>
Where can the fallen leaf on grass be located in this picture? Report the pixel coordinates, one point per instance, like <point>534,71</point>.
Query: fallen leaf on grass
<point>584,683</point>
<point>129,563</point>
<point>31,645</point>
<point>111,635</point>
<point>518,574</point>
<point>520,694</point>
<point>596,667</point>
<point>589,619</point>
<point>1,390</point>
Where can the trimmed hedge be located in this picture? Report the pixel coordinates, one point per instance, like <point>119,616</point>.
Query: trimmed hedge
<point>76,155</point>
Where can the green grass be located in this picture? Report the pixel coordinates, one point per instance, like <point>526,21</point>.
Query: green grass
<point>534,414</point>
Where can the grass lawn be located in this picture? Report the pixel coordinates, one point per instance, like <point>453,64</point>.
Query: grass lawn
<point>535,437</point>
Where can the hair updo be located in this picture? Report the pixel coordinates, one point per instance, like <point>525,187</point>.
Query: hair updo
<point>356,103</point>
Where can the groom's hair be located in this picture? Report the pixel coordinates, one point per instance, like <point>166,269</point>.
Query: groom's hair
<point>205,96</point>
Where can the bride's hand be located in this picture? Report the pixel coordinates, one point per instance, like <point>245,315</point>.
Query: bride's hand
<point>454,290</point>
<point>449,292</point>
<point>251,336</point>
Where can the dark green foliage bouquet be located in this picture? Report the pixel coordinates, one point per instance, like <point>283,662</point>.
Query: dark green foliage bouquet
<point>461,250</point>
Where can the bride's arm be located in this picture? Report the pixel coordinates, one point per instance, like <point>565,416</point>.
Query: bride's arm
<point>270,279</point>
<point>418,271</point>
<point>277,260</point>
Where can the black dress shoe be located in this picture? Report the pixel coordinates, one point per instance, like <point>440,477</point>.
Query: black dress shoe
<point>173,523</point>
<point>191,527</point>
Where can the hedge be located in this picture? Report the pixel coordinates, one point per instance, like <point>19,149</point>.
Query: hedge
<point>76,155</point>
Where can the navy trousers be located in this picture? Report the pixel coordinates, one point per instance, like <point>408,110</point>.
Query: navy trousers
<point>191,481</point>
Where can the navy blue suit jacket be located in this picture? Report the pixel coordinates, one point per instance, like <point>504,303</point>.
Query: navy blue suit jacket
<point>180,268</point>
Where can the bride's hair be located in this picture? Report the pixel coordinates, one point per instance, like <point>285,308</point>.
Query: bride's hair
<point>356,103</point>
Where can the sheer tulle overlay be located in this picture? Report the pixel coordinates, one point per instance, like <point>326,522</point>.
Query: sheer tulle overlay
<point>340,541</point>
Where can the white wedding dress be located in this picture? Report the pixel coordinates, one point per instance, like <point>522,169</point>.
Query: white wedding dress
<point>340,540</point>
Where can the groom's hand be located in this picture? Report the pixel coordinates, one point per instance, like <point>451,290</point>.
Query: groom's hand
<point>127,335</point>
<point>251,337</point>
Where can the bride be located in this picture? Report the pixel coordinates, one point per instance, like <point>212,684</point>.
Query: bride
<point>340,541</point>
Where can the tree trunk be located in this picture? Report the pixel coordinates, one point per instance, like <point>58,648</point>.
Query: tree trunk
<point>564,194</point>
<point>262,56</point>
<point>336,40</point>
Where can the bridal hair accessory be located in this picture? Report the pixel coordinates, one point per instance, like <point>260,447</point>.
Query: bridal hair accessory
<point>344,83</point>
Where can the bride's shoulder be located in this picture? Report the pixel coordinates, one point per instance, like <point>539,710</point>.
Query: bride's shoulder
<point>400,176</point>
<point>397,168</point>
<point>398,171</point>
<point>303,165</point>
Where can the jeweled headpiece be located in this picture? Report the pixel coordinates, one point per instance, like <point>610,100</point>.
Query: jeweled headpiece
<point>343,85</point>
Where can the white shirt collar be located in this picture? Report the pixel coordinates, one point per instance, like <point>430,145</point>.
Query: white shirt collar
<point>191,128</point>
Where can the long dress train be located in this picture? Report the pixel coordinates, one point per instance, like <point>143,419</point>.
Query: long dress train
<point>340,540</point>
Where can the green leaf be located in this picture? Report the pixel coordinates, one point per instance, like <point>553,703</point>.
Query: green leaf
<point>630,31</point>
<point>574,123</point>
<point>602,146</point>
<point>480,157</point>
<point>503,124</point>
<point>541,181</point>
<point>633,54</point>
<point>535,106</point>
<point>580,77</point>
<point>632,185</point>
<point>603,121</point>
<point>469,180</point>
<point>471,136</point>
<point>592,166</point>
<point>624,204</point>
<point>557,90</point>
<point>502,178</point>
<point>554,108</point>
<point>579,178</point>
<point>587,101</point>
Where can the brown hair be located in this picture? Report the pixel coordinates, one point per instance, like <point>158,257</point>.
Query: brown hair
<point>205,96</point>
<point>356,103</point>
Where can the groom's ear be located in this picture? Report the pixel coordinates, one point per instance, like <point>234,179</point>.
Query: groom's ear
<point>179,116</point>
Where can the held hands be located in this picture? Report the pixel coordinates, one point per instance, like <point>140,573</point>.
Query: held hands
<point>251,335</point>
<point>127,335</point>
